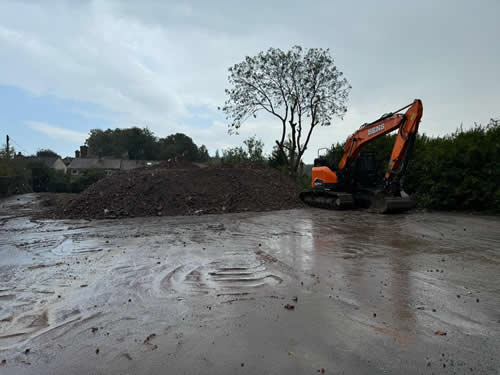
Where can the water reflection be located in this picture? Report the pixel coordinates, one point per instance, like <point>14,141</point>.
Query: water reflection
<point>367,261</point>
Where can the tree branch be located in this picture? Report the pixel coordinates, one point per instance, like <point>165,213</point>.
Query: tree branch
<point>272,111</point>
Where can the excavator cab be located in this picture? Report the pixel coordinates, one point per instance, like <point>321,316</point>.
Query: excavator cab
<point>323,159</point>
<point>365,170</point>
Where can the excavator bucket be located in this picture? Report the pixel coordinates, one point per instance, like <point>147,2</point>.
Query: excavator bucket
<point>384,204</point>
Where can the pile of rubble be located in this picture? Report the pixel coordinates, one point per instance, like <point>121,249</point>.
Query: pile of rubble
<point>187,191</point>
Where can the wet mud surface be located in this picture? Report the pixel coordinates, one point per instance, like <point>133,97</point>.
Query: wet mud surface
<point>298,292</point>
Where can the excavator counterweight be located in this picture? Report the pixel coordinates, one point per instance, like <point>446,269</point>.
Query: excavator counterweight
<point>344,186</point>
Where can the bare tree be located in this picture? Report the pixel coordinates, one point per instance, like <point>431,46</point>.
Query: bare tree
<point>301,88</point>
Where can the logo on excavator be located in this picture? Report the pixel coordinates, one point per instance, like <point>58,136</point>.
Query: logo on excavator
<point>376,129</point>
<point>318,182</point>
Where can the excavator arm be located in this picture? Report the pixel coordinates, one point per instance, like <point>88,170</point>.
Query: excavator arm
<point>404,141</point>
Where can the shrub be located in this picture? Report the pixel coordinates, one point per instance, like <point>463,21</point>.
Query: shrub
<point>252,156</point>
<point>89,177</point>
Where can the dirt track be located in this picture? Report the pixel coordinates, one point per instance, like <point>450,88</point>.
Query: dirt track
<point>207,295</point>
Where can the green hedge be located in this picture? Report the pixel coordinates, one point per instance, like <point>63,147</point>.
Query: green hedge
<point>460,171</point>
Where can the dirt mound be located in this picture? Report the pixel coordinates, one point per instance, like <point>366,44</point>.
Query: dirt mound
<point>163,191</point>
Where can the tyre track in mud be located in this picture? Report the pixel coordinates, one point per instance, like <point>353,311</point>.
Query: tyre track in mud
<point>234,273</point>
<point>35,291</point>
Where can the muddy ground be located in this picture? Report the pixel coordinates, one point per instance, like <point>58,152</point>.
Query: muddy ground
<point>288,292</point>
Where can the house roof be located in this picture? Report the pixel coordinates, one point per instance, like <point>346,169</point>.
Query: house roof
<point>91,163</point>
<point>67,160</point>
<point>47,160</point>
<point>132,164</point>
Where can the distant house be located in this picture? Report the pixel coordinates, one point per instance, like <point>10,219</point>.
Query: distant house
<point>110,166</point>
<point>80,165</point>
<point>83,162</point>
<point>53,162</point>
<point>67,160</point>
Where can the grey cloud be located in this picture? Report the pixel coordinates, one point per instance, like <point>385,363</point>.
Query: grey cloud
<point>150,60</point>
<point>57,132</point>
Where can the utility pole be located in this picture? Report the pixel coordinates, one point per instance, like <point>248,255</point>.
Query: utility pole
<point>7,150</point>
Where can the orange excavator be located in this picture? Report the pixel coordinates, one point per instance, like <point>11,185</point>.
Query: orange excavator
<point>352,183</point>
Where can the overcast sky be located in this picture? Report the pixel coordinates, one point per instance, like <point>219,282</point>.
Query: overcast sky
<point>69,66</point>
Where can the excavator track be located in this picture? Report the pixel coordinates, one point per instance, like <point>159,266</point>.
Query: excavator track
<point>327,199</point>
<point>377,202</point>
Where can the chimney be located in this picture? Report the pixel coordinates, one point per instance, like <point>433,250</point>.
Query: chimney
<point>77,154</point>
<point>83,151</point>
